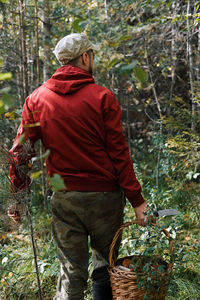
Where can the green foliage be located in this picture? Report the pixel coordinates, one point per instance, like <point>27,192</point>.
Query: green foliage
<point>56,182</point>
<point>129,67</point>
<point>79,25</point>
<point>141,74</point>
<point>6,100</point>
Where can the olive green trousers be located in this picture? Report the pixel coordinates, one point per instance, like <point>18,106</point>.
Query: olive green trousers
<point>75,217</point>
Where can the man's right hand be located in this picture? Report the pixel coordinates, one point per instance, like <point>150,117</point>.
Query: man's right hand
<point>139,212</point>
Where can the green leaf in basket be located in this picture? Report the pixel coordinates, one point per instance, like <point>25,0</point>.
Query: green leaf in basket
<point>153,273</point>
<point>146,268</point>
<point>149,251</point>
<point>162,268</point>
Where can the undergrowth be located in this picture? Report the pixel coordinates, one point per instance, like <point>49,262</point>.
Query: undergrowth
<point>18,277</point>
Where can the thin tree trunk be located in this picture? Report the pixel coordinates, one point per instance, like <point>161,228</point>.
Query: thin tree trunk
<point>46,74</point>
<point>173,52</point>
<point>37,43</point>
<point>190,63</point>
<point>21,73</point>
<point>106,9</point>
<point>198,55</point>
<point>46,40</point>
<point>23,48</point>
<point>30,55</point>
<point>31,61</point>
<point>128,123</point>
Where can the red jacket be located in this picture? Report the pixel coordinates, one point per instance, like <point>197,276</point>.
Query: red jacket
<point>80,123</point>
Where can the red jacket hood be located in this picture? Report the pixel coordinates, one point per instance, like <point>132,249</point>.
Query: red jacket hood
<point>68,79</point>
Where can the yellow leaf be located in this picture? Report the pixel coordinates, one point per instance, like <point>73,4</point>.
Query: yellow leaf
<point>36,174</point>
<point>187,238</point>
<point>186,217</point>
<point>10,115</point>
<point>30,166</point>
<point>3,281</point>
<point>6,76</point>
<point>10,274</point>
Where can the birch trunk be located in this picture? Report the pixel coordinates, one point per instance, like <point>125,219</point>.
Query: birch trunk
<point>46,40</point>
<point>23,48</point>
<point>37,43</point>
<point>106,10</point>
<point>21,73</point>
<point>46,76</point>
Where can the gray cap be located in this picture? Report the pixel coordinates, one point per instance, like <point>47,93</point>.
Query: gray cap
<point>72,46</point>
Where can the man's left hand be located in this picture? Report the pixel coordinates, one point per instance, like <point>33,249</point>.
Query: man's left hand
<point>14,213</point>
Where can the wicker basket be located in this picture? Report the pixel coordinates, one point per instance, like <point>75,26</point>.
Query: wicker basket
<point>124,283</point>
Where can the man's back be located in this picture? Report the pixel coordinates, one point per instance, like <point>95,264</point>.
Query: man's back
<point>71,111</point>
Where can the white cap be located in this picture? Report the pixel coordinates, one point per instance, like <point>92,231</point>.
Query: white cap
<point>72,46</point>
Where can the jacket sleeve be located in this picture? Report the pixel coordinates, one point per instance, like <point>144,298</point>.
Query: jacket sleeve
<point>118,151</point>
<point>23,149</point>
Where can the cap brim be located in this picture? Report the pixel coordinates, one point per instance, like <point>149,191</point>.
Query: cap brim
<point>96,47</point>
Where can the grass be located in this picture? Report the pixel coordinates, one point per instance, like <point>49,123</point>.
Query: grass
<point>17,270</point>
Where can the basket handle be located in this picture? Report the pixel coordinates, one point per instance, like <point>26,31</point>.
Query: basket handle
<point>112,246</point>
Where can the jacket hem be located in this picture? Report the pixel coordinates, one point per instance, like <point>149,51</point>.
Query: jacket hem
<point>90,186</point>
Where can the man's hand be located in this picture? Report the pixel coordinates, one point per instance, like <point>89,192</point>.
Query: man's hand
<point>14,213</point>
<point>139,212</point>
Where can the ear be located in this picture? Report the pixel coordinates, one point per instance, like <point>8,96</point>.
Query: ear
<point>84,58</point>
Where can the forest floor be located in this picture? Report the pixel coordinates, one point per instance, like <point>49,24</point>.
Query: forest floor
<point>17,269</point>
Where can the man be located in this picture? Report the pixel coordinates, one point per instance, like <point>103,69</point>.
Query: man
<point>80,123</point>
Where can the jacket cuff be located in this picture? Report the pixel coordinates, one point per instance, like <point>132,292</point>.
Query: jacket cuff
<point>136,201</point>
<point>17,185</point>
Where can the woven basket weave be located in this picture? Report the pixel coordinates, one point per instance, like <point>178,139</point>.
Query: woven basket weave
<point>124,283</point>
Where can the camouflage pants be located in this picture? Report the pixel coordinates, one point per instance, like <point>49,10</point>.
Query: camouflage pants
<point>77,216</point>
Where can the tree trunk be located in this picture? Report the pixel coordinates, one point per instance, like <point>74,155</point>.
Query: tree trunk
<point>46,75</point>
<point>46,40</point>
<point>198,55</point>
<point>190,62</point>
<point>37,43</point>
<point>23,48</point>
<point>173,51</point>
<point>106,10</point>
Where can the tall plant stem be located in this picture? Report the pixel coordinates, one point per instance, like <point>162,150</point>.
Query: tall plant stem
<point>28,213</point>
<point>43,176</point>
<point>160,116</point>
<point>128,123</point>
